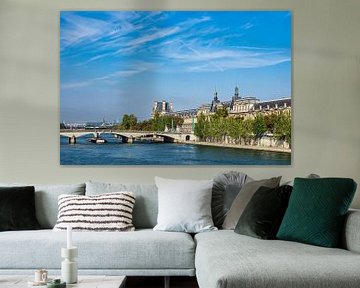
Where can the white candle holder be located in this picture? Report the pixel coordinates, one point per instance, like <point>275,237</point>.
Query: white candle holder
<point>69,270</point>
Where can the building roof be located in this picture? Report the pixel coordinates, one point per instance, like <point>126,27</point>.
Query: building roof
<point>186,112</point>
<point>273,103</point>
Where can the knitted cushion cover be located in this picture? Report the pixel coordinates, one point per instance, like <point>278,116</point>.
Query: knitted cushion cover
<point>105,212</point>
<point>316,211</point>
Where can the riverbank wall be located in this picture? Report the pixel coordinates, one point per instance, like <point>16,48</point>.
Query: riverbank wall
<point>265,143</point>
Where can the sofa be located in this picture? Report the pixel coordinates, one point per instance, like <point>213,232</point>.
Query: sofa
<point>218,259</point>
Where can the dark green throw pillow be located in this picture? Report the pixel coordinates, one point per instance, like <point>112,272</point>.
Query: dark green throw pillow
<point>316,211</point>
<point>263,214</point>
<point>17,209</point>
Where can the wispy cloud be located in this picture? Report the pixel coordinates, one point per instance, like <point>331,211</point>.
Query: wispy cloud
<point>238,64</point>
<point>157,35</point>
<point>86,30</point>
<point>195,57</point>
<point>80,28</point>
<point>152,35</point>
<point>126,71</point>
<point>130,72</point>
<point>123,72</point>
<point>247,25</point>
<point>76,85</point>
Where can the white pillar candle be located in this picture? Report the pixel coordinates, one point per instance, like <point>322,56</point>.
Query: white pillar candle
<point>69,237</point>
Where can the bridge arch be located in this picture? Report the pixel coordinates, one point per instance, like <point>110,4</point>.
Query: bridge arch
<point>168,139</point>
<point>72,136</point>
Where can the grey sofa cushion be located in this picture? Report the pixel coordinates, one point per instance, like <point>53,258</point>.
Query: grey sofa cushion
<point>351,235</point>
<point>225,189</point>
<point>46,200</point>
<point>143,249</point>
<point>146,204</point>
<point>226,259</point>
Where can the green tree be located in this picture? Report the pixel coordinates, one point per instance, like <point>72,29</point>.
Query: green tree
<point>282,127</point>
<point>218,125</point>
<point>146,125</point>
<point>129,122</point>
<point>233,128</point>
<point>221,113</point>
<point>207,130</point>
<point>246,131</point>
<point>259,126</point>
<point>200,129</point>
<point>159,122</point>
<point>216,128</point>
<point>270,122</point>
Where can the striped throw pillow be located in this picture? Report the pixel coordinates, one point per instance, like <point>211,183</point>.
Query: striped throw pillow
<point>105,212</point>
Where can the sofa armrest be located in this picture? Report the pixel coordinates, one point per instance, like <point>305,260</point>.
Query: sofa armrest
<point>351,234</point>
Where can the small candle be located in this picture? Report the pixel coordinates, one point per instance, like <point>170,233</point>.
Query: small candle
<point>69,237</point>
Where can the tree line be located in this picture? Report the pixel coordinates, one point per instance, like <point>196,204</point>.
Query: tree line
<point>157,123</point>
<point>219,126</point>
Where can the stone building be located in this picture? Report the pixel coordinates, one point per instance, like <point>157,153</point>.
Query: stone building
<point>162,107</point>
<point>246,106</point>
<point>238,106</point>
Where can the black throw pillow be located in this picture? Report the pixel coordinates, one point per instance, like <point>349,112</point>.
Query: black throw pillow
<point>17,209</point>
<point>263,214</point>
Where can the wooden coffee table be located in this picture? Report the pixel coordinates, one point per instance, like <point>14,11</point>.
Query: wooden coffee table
<point>83,282</point>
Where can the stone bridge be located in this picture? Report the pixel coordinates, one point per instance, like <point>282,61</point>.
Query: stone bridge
<point>130,136</point>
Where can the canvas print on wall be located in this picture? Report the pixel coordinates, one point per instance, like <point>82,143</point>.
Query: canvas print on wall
<point>175,87</point>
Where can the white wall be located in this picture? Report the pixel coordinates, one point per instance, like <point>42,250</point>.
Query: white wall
<point>326,91</point>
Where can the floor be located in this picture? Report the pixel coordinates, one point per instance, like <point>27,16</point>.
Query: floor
<point>158,282</point>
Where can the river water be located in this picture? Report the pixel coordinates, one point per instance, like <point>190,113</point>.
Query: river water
<point>117,153</point>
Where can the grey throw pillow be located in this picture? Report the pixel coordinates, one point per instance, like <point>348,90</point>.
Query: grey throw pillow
<point>310,176</point>
<point>146,205</point>
<point>226,187</point>
<point>184,205</point>
<point>242,199</point>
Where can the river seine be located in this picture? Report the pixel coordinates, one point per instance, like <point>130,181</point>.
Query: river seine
<point>116,153</point>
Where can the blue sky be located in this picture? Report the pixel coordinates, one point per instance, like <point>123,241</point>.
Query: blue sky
<point>119,62</point>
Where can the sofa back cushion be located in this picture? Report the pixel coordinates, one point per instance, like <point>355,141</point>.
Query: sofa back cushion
<point>17,209</point>
<point>46,200</point>
<point>184,205</point>
<point>243,198</point>
<point>146,204</point>
<point>225,189</point>
<point>350,238</point>
<point>263,215</point>
<point>110,212</point>
<point>317,210</point>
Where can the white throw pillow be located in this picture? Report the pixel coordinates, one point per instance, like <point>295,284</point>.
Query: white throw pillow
<point>105,212</point>
<point>184,205</point>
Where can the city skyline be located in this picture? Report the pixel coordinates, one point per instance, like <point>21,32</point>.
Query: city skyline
<point>115,63</point>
